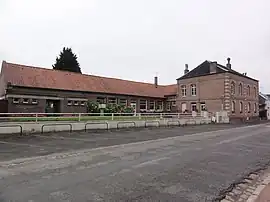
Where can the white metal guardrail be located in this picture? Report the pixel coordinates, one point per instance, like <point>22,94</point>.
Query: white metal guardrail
<point>38,117</point>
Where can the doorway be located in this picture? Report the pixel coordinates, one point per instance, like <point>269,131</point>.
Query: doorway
<point>52,106</point>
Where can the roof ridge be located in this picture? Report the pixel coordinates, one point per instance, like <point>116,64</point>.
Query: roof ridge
<point>86,75</point>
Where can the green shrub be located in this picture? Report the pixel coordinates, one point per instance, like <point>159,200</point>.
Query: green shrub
<point>92,107</point>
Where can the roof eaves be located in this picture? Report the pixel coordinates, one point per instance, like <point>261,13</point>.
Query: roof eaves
<point>95,92</point>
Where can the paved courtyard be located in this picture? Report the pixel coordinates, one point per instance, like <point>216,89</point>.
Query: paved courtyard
<point>167,164</point>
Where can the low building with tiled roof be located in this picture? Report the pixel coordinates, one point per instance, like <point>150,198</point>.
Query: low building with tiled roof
<point>31,89</point>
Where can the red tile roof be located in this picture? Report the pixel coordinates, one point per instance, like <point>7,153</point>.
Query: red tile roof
<point>26,76</point>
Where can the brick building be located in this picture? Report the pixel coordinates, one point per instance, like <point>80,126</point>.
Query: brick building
<point>214,87</point>
<point>210,86</point>
<point>31,89</point>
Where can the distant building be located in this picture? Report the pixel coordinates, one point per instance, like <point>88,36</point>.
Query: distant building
<point>264,106</point>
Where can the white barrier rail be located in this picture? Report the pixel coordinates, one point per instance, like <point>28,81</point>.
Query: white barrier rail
<point>38,117</point>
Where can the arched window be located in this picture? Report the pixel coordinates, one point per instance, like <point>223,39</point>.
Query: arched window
<point>233,106</point>
<point>248,107</point>
<point>255,108</point>
<point>240,90</point>
<point>255,92</point>
<point>232,88</point>
<point>248,90</point>
<point>241,107</point>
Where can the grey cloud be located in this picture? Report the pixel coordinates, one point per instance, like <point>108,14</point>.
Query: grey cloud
<point>136,39</point>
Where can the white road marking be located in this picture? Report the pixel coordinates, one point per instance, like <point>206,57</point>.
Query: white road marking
<point>22,144</point>
<point>151,162</point>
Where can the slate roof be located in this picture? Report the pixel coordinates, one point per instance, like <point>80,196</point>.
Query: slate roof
<point>35,77</point>
<point>204,69</point>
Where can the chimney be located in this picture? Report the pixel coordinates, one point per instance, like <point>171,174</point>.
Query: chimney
<point>229,66</point>
<point>186,69</point>
<point>156,81</point>
<point>213,67</point>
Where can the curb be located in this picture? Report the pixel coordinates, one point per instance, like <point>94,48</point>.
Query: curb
<point>256,193</point>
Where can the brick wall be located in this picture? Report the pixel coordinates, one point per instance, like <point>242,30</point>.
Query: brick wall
<point>210,90</point>
<point>245,98</point>
<point>215,91</point>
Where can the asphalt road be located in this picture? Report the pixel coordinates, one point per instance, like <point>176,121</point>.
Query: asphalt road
<point>176,164</point>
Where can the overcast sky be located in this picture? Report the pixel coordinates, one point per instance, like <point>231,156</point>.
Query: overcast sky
<point>135,39</point>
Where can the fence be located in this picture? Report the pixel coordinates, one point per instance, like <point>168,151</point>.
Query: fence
<point>77,117</point>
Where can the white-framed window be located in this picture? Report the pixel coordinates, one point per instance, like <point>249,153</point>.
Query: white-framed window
<point>203,107</point>
<point>160,105</point>
<point>133,101</point>
<point>248,107</point>
<point>25,100</point>
<point>174,103</point>
<point>69,102</point>
<point>152,105</point>
<point>193,90</point>
<point>123,102</point>
<point>76,103</point>
<point>248,90</point>
<point>233,88</point>
<point>184,90</point>
<point>168,106</point>
<point>193,106</point>
<point>83,103</point>
<point>112,100</point>
<point>241,107</point>
<point>240,89</point>
<point>233,106</point>
<point>133,104</point>
<point>143,104</point>
<point>34,101</point>
<point>16,100</point>
<point>101,100</point>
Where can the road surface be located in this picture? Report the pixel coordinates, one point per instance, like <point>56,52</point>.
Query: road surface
<point>177,164</point>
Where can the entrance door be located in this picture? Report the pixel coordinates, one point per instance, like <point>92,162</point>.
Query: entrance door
<point>52,106</point>
<point>184,107</point>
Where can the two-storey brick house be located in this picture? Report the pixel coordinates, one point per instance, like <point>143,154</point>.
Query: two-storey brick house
<point>214,87</point>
